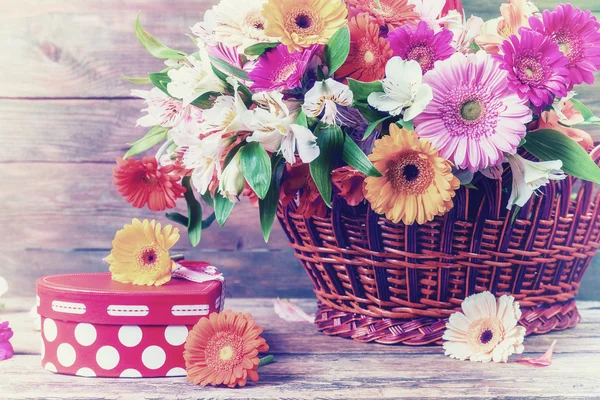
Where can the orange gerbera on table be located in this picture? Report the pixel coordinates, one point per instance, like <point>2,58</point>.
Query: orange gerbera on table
<point>416,183</point>
<point>223,349</point>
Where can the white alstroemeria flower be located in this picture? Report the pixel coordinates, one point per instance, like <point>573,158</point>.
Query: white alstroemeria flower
<point>203,156</point>
<point>205,30</point>
<point>162,110</point>
<point>226,115</point>
<point>464,30</point>
<point>529,176</point>
<point>403,90</point>
<point>232,182</point>
<point>194,79</point>
<point>301,139</point>
<point>274,103</point>
<point>3,286</point>
<point>323,99</point>
<point>429,11</point>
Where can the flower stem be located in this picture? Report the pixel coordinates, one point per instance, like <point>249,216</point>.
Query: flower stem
<point>163,148</point>
<point>266,360</point>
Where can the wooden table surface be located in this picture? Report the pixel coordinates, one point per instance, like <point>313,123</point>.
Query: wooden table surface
<point>311,365</point>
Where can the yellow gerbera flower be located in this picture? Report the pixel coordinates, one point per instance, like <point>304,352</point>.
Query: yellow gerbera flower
<point>301,23</point>
<point>140,253</point>
<point>417,184</point>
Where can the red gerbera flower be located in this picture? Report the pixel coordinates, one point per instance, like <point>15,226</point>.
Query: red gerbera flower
<point>369,53</point>
<point>389,14</point>
<point>144,182</point>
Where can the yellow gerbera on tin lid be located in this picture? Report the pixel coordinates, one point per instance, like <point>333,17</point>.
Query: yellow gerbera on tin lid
<point>140,253</point>
<point>301,23</point>
<point>416,183</point>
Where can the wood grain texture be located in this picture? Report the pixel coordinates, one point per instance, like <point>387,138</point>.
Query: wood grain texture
<point>66,114</point>
<point>310,365</point>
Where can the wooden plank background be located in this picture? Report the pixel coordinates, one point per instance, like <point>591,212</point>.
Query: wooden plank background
<point>66,114</point>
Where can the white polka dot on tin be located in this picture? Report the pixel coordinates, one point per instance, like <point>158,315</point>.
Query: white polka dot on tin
<point>154,357</point>
<point>50,367</point>
<point>177,371</point>
<point>130,335</point>
<point>50,330</point>
<point>107,357</point>
<point>130,373</point>
<point>87,372</point>
<point>66,354</point>
<point>85,334</point>
<point>176,335</point>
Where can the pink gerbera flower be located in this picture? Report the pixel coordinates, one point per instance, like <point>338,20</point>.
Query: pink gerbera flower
<point>537,70</point>
<point>576,33</point>
<point>278,69</point>
<point>421,44</point>
<point>474,116</point>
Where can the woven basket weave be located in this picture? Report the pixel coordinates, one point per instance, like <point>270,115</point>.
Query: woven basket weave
<point>389,283</point>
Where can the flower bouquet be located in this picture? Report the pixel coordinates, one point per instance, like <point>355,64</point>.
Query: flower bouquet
<point>413,156</point>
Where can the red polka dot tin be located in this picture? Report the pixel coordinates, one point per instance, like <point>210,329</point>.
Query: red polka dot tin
<point>94,326</point>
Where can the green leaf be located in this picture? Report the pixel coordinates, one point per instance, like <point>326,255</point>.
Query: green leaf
<point>208,221</point>
<point>232,153</point>
<point>256,167</point>
<point>301,120</point>
<point>151,139</point>
<point>194,213</point>
<point>259,49</point>
<point>223,208</point>
<point>475,47</point>
<point>362,90</point>
<point>144,80</point>
<point>357,159</point>
<point>548,145</point>
<point>160,80</point>
<point>267,207</point>
<point>206,100</point>
<point>337,49</point>
<point>331,142</point>
<point>208,199</point>
<point>371,127</point>
<point>154,47</point>
<point>367,112</point>
<point>177,218</point>
<point>588,116</point>
<point>230,69</point>
<point>408,125</point>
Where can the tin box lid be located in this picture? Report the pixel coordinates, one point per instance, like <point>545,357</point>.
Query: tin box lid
<point>97,299</point>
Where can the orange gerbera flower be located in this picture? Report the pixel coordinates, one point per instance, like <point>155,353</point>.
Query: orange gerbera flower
<point>223,349</point>
<point>144,182</point>
<point>417,184</point>
<point>369,53</point>
<point>390,14</point>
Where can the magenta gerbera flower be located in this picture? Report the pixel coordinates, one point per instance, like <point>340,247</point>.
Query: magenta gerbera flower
<point>278,69</point>
<point>576,33</point>
<point>474,116</point>
<point>421,44</point>
<point>537,70</point>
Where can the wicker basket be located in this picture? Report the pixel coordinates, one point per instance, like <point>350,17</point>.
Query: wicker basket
<point>377,281</point>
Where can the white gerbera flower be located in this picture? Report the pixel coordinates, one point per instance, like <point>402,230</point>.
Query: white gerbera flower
<point>486,330</point>
<point>323,99</point>
<point>529,176</point>
<point>239,23</point>
<point>231,183</point>
<point>194,79</point>
<point>403,90</point>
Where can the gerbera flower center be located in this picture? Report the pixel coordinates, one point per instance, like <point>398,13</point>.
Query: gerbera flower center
<point>369,57</point>
<point>485,334</point>
<point>148,257</point>
<point>255,20</point>
<point>423,55</point>
<point>303,22</point>
<point>410,173</point>
<point>224,351</point>
<point>570,45</point>
<point>285,72</point>
<point>530,70</point>
<point>471,110</point>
